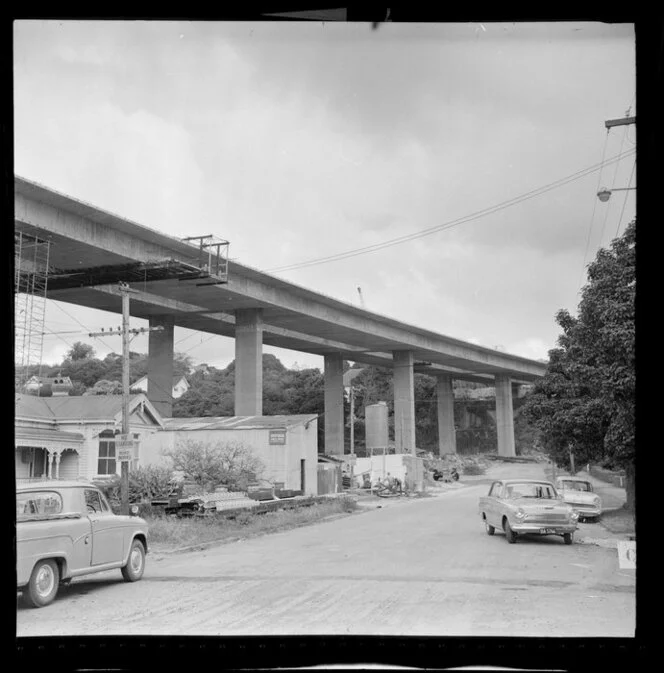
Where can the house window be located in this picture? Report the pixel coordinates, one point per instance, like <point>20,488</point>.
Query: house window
<point>106,462</point>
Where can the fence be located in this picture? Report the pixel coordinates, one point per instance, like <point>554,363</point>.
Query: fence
<point>329,479</point>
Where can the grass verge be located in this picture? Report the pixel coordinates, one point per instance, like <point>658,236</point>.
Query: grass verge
<point>618,521</point>
<point>170,533</point>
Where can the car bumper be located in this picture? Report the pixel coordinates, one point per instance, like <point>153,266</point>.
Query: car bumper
<point>587,510</point>
<point>543,529</point>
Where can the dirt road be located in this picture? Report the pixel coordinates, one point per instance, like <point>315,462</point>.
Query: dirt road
<point>422,568</point>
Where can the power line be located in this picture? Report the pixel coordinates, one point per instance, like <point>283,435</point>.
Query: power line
<point>80,323</point>
<point>88,331</point>
<point>613,184</point>
<point>629,184</point>
<point>452,223</point>
<point>592,217</point>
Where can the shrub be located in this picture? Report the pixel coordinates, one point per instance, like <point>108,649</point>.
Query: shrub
<point>230,464</point>
<point>150,482</point>
<point>244,518</point>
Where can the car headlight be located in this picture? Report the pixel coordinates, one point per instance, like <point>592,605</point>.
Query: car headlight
<point>574,514</point>
<point>596,501</point>
<point>520,514</point>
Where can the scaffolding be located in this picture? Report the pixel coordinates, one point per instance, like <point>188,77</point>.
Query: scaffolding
<point>212,258</point>
<point>31,259</point>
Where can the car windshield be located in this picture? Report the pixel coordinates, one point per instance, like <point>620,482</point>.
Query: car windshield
<point>577,486</point>
<point>529,490</point>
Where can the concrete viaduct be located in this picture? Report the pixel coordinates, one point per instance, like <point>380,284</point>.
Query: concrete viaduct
<point>91,250</point>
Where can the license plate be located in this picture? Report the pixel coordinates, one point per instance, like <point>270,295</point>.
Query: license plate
<point>548,531</point>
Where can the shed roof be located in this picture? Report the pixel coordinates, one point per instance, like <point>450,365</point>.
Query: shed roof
<point>238,422</point>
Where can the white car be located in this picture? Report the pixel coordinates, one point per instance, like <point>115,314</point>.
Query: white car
<point>65,529</point>
<point>579,493</point>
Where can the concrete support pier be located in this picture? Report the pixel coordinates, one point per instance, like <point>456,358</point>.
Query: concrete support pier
<point>504,416</point>
<point>249,362</point>
<point>334,404</point>
<point>446,429</point>
<point>404,402</point>
<point>160,364</point>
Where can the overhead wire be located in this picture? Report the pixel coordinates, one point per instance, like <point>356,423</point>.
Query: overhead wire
<point>629,184</point>
<point>613,184</point>
<point>592,217</point>
<point>87,331</point>
<point>452,223</point>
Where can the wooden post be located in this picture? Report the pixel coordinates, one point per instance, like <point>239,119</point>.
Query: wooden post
<point>124,476</point>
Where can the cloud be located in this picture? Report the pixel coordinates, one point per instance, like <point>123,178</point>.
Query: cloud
<point>295,142</point>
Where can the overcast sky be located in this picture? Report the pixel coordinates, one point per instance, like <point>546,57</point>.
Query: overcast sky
<point>296,141</point>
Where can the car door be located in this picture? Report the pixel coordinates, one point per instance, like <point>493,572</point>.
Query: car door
<point>492,502</point>
<point>107,529</point>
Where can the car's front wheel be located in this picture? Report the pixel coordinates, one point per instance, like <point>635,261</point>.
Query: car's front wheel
<point>567,538</point>
<point>43,585</point>
<point>509,533</point>
<point>490,530</point>
<point>135,567</point>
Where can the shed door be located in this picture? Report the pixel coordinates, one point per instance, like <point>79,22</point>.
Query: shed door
<point>302,475</point>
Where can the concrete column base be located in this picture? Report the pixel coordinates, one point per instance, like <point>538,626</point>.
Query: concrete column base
<point>404,402</point>
<point>160,364</point>
<point>334,404</point>
<point>445,403</point>
<point>248,362</point>
<point>504,416</point>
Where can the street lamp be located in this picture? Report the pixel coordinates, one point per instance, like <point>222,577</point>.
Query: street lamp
<point>604,194</point>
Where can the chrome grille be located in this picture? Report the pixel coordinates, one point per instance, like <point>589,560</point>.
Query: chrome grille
<point>547,517</point>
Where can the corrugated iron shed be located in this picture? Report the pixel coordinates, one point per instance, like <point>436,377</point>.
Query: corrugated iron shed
<point>239,422</point>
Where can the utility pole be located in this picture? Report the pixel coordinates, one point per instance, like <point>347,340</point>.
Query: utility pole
<point>352,419</point>
<point>124,465</point>
<point>125,445</point>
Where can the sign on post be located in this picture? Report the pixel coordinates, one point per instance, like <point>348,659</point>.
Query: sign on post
<point>125,448</point>
<point>124,454</point>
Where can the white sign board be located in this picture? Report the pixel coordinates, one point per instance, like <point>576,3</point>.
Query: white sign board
<point>124,454</point>
<point>125,448</point>
<point>627,554</point>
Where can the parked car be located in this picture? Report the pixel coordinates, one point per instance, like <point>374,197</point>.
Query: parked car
<point>578,492</point>
<point>65,529</point>
<point>527,506</point>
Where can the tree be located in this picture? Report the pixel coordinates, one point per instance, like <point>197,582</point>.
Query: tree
<point>231,464</point>
<point>87,372</point>
<point>80,351</point>
<point>585,402</point>
<point>105,387</point>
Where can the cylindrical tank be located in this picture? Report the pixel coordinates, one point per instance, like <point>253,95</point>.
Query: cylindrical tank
<point>375,416</point>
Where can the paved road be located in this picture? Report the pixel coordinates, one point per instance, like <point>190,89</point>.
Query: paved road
<point>425,567</point>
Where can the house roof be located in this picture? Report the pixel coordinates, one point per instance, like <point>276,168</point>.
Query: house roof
<point>78,408</point>
<point>176,379</point>
<point>238,422</point>
<point>47,434</point>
